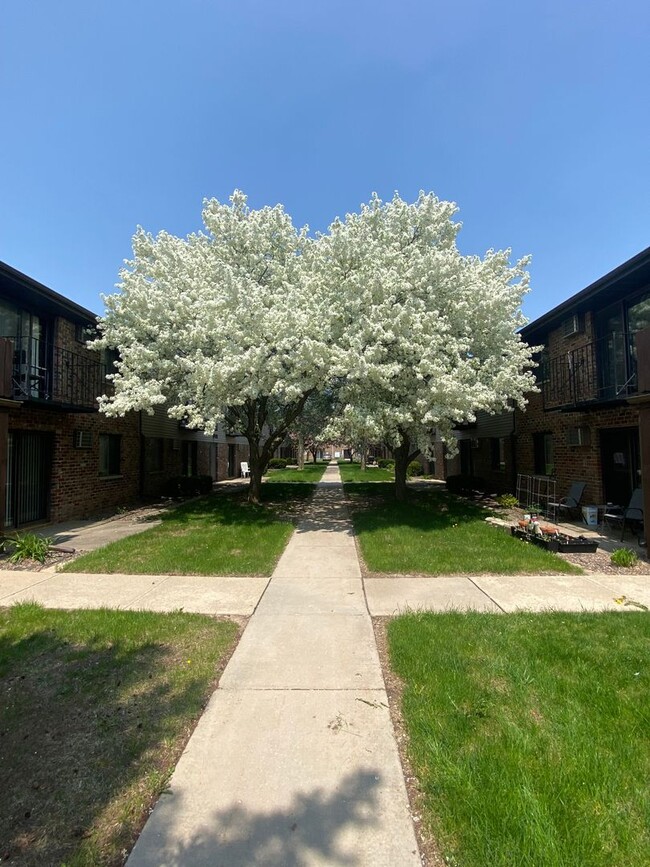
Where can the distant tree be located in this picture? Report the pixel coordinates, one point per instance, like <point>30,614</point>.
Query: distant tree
<point>307,430</point>
<point>228,325</point>
<point>429,335</point>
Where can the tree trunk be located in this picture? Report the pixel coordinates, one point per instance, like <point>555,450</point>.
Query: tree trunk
<point>403,457</point>
<point>301,452</point>
<point>364,455</point>
<point>313,454</point>
<point>256,467</point>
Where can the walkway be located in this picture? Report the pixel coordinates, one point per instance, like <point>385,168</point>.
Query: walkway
<point>294,761</point>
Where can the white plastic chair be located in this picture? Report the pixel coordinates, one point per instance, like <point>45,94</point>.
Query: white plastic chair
<point>244,469</point>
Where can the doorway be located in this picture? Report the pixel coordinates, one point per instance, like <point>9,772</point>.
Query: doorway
<point>29,458</point>
<point>620,459</point>
<point>466,457</point>
<point>232,458</point>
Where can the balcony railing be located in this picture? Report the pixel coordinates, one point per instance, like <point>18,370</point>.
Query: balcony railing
<point>599,372</point>
<point>55,376</point>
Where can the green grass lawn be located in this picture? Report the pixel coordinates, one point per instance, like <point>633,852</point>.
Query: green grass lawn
<point>95,709</point>
<point>529,735</point>
<point>354,473</point>
<point>312,473</point>
<point>220,534</point>
<point>435,533</point>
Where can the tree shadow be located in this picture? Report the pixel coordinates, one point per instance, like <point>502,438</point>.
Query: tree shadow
<point>317,826</point>
<point>82,720</point>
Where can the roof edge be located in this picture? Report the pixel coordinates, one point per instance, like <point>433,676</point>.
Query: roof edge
<point>591,291</point>
<point>70,307</point>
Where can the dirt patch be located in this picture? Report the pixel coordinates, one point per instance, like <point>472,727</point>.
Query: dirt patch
<point>429,852</point>
<point>54,558</point>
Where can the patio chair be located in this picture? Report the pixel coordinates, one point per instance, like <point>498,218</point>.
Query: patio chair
<point>632,514</point>
<point>244,469</point>
<point>571,503</point>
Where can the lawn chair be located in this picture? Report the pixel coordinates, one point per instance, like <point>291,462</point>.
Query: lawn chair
<point>571,503</point>
<point>244,469</point>
<point>633,512</point>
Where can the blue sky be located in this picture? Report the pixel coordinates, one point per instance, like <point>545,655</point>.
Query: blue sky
<point>531,115</point>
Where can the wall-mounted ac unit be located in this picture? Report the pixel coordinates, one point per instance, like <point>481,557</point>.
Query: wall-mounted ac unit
<point>578,436</point>
<point>572,325</point>
<point>83,439</point>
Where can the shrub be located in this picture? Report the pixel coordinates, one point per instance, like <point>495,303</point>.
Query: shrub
<point>29,546</point>
<point>188,486</point>
<point>278,463</point>
<point>386,463</point>
<point>415,468</point>
<point>508,501</point>
<point>624,557</point>
<point>462,484</point>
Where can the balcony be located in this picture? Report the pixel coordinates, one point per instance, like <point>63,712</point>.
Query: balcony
<point>36,371</point>
<point>603,371</point>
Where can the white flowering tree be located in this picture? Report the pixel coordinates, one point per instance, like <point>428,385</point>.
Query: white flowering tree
<point>226,325</point>
<point>429,335</point>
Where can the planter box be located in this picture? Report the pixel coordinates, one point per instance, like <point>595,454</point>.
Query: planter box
<point>557,544</point>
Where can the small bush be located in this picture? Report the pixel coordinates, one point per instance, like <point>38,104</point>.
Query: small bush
<point>386,464</point>
<point>29,546</point>
<point>462,484</point>
<point>278,463</point>
<point>415,468</point>
<point>508,501</point>
<point>624,557</point>
<point>188,486</point>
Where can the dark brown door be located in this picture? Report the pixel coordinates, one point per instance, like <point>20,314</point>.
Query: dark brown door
<point>619,449</point>
<point>29,458</point>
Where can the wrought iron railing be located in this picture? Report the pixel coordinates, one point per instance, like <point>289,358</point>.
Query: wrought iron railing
<point>45,373</point>
<point>597,372</point>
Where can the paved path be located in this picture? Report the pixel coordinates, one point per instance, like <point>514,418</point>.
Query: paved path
<point>294,761</point>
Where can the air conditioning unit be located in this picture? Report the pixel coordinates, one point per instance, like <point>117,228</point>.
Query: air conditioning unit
<point>578,436</point>
<point>83,439</point>
<point>572,325</point>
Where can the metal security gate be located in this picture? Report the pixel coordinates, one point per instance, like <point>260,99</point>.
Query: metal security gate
<point>28,477</point>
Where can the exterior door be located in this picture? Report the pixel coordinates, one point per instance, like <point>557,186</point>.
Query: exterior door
<point>466,458</point>
<point>619,449</point>
<point>29,458</point>
<point>232,457</point>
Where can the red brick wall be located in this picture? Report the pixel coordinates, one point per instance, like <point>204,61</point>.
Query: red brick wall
<point>572,463</point>
<point>77,490</point>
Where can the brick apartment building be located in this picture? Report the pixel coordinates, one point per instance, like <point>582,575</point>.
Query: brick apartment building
<point>583,425</point>
<point>59,457</point>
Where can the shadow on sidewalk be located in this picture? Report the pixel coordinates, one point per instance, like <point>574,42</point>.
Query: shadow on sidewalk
<point>310,827</point>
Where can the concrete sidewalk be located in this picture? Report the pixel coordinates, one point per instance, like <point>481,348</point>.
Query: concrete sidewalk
<point>294,762</point>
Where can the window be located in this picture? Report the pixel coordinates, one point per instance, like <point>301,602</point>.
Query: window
<point>543,369</point>
<point>84,333</point>
<point>543,452</point>
<point>109,454</point>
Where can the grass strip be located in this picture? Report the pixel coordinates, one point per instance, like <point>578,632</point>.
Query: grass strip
<point>221,534</point>
<point>435,533</point>
<point>95,709</point>
<point>311,473</point>
<point>529,734</point>
<point>354,473</point>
